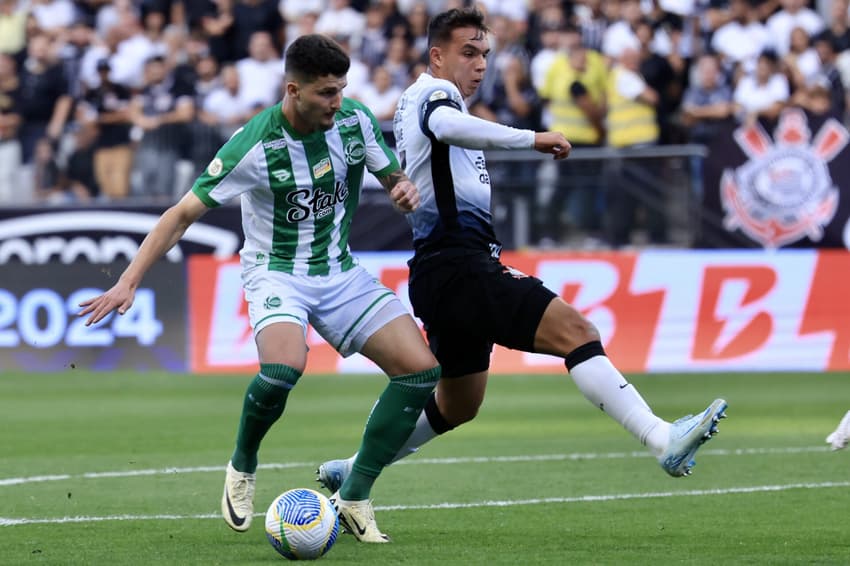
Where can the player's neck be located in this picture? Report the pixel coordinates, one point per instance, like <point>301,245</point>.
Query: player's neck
<point>294,120</point>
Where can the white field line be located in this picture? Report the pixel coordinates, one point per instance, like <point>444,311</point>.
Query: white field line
<point>10,522</point>
<point>415,462</point>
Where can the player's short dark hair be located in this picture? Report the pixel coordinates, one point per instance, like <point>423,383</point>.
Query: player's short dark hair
<point>442,25</point>
<point>314,55</point>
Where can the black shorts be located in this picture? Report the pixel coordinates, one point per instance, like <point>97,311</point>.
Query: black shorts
<point>470,301</point>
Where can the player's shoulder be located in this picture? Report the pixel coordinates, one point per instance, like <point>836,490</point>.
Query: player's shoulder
<point>428,88</point>
<point>350,112</point>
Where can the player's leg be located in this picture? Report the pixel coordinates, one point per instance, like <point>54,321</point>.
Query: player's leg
<point>564,332</point>
<point>366,317</point>
<point>278,314</point>
<point>399,350</point>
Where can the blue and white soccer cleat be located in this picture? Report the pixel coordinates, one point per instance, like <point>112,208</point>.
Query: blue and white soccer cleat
<point>331,475</point>
<point>687,435</point>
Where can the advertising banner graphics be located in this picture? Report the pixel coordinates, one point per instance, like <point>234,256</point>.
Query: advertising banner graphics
<point>40,329</point>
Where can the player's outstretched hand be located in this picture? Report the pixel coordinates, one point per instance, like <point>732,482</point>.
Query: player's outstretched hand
<point>552,142</point>
<point>119,297</point>
<point>405,196</point>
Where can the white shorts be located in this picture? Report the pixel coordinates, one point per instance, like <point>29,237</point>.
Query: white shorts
<point>345,308</point>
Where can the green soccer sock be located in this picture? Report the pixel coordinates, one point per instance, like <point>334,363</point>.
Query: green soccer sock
<point>264,402</point>
<point>392,420</point>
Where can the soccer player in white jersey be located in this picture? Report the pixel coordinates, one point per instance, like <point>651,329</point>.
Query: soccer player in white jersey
<point>466,297</point>
<point>298,168</point>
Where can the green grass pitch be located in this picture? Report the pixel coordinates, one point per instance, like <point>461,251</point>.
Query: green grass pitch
<point>127,468</point>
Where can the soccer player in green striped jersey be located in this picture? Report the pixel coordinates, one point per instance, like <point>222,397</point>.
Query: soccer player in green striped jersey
<point>298,168</point>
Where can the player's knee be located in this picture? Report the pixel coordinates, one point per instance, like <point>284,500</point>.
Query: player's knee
<point>462,414</point>
<point>459,411</point>
<point>563,331</point>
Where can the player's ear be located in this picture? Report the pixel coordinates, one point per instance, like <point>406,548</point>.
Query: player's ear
<point>435,56</point>
<point>292,88</point>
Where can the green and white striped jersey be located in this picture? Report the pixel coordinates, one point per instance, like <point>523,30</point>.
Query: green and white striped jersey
<point>298,193</point>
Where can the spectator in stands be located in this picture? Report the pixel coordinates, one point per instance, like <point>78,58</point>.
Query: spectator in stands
<point>224,109</point>
<point>141,40</point>
<point>261,74</point>
<point>838,30</point>
<point>373,44</point>
<point>621,34</point>
<point>707,103</point>
<point>794,13</point>
<point>45,173</point>
<point>10,121</point>
<point>358,72</point>
<point>397,61</point>
<point>801,64</point>
<point>250,16</point>
<point>550,47</point>
<point>72,47</point>
<point>107,108</point>
<point>591,18</point>
<point>395,24</point>
<point>162,110</point>
<point>574,94</point>
<point>506,94</point>
<point>381,97</point>
<point>77,178</point>
<point>632,123</point>
<point>740,41</point>
<point>100,50</point>
<point>53,17</point>
<point>45,103</point>
<point>340,19</point>
<point>764,93</point>
<point>823,92</point>
<point>13,27</point>
<point>827,47</point>
<point>217,25</point>
<point>665,75</point>
<point>418,21</point>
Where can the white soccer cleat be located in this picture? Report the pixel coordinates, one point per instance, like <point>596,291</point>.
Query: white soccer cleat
<point>841,435</point>
<point>331,475</point>
<point>237,503</point>
<point>358,518</point>
<point>687,435</point>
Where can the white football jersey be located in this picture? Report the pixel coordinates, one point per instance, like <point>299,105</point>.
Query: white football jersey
<point>453,182</point>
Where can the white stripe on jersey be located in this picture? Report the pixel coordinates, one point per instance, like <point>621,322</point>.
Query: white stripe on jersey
<point>340,169</point>
<point>259,235</point>
<point>306,227</point>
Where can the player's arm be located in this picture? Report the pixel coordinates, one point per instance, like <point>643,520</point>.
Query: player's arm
<point>167,232</point>
<point>402,191</point>
<point>451,126</point>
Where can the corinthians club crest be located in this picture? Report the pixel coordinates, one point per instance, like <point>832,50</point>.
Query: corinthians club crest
<point>784,192</point>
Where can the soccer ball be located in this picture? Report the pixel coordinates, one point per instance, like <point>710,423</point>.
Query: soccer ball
<point>302,524</point>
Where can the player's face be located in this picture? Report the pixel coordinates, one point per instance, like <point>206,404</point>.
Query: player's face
<point>463,60</point>
<point>316,102</point>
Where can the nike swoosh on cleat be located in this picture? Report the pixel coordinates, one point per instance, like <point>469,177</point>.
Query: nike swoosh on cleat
<point>361,530</point>
<point>623,386</point>
<point>237,520</point>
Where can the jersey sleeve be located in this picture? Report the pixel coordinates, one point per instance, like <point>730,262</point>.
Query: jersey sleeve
<point>440,93</point>
<point>233,171</point>
<point>380,159</point>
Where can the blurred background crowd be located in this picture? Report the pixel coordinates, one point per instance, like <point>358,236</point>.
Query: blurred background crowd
<point>127,101</point>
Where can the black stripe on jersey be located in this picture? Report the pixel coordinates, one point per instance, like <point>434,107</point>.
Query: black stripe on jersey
<point>441,168</point>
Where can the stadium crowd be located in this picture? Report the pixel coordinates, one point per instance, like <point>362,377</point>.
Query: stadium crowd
<point>110,101</point>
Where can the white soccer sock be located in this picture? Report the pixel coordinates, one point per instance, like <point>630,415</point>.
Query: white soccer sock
<point>420,435</point>
<point>604,386</point>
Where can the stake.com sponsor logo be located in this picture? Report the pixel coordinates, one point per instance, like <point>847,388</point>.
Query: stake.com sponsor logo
<point>656,311</point>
